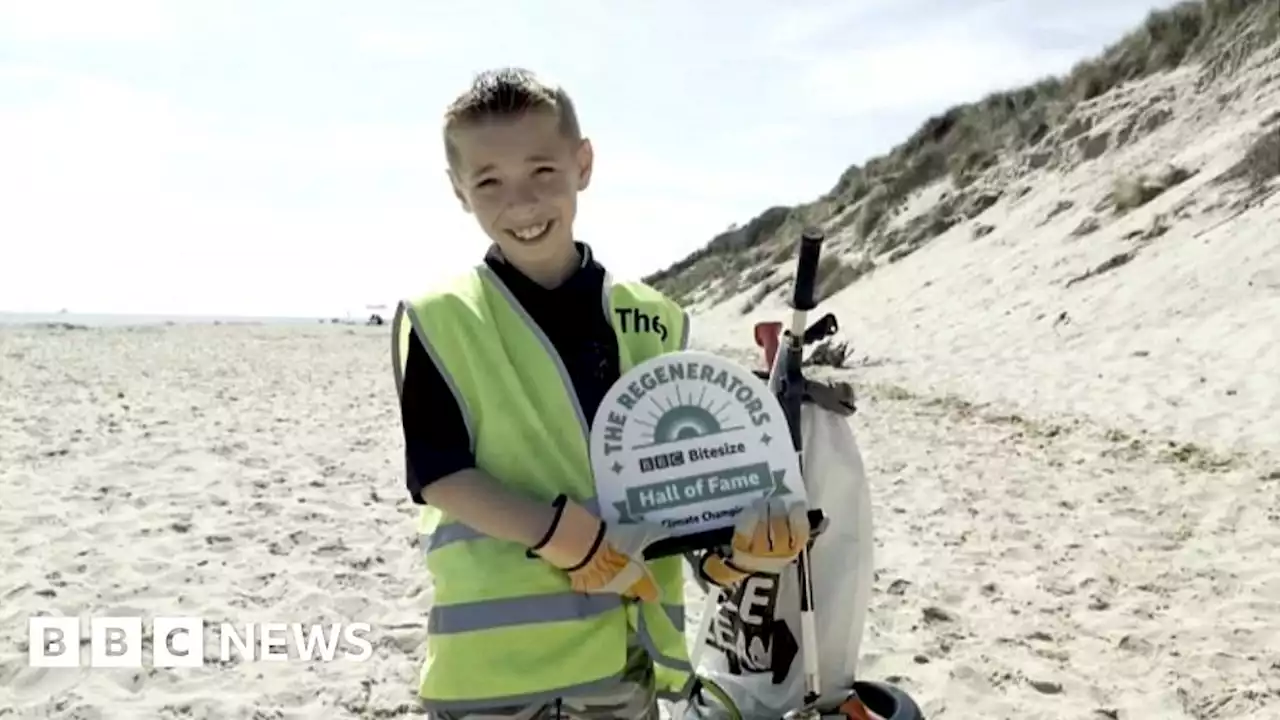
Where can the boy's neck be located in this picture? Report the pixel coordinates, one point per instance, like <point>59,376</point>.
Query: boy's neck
<point>553,273</point>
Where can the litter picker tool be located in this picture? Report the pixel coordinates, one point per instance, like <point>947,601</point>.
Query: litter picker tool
<point>788,383</point>
<point>787,378</point>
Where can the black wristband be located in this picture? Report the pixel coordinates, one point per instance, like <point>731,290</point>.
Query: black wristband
<point>591,552</point>
<point>559,503</point>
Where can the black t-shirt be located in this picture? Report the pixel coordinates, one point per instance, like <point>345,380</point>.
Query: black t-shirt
<point>571,315</point>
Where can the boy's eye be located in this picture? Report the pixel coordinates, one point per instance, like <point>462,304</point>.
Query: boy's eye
<point>487,182</point>
<point>544,170</point>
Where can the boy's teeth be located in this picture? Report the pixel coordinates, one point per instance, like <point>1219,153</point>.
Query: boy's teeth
<point>530,232</point>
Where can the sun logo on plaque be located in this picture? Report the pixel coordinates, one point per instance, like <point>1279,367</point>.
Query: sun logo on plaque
<point>684,422</point>
<point>682,419</point>
<point>685,440</point>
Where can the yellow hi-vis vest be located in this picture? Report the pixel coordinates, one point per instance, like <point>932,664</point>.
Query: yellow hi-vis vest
<point>505,629</point>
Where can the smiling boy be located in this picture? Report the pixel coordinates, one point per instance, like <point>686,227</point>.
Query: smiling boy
<point>540,609</point>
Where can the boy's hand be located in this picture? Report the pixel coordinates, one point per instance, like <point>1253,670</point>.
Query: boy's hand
<point>768,537</point>
<point>598,557</point>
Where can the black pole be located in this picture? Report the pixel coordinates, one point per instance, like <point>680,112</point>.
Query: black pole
<point>791,386</point>
<point>788,383</point>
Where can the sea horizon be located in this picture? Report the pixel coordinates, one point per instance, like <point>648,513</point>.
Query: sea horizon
<point>10,319</point>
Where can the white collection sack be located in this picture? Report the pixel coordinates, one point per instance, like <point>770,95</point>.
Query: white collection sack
<point>751,650</point>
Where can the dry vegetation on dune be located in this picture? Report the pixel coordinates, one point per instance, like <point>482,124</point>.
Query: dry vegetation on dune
<point>982,148</point>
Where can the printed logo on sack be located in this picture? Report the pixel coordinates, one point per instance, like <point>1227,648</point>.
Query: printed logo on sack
<point>688,440</point>
<point>750,636</point>
<point>181,642</point>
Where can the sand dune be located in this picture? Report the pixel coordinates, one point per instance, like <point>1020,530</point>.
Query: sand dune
<point>1072,417</point>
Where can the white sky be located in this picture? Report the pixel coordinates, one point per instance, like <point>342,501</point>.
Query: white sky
<point>269,158</point>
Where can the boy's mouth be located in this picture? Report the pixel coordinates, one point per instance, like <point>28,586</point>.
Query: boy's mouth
<point>531,233</point>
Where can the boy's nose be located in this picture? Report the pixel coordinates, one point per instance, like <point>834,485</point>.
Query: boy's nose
<point>522,211</point>
<point>523,195</point>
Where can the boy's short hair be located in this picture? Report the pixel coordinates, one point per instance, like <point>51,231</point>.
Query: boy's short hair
<point>508,93</point>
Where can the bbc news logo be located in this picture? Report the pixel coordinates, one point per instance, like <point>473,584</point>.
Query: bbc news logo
<point>180,642</point>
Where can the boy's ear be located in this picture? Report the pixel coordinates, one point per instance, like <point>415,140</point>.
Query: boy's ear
<point>457,191</point>
<point>586,160</point>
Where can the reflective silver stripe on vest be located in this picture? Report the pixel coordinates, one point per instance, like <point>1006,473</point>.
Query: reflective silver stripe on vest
<point>528,609</point>
<point>458,532</point>
<point>676,614</point>
<point>397,360</point>
<point>606,294</point>
<point>501,287</point>
<point>525,610</point>
<point>420,331</point>
<point>684,331</point>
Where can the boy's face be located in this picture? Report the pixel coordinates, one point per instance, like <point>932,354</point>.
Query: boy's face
<point>520,177</point>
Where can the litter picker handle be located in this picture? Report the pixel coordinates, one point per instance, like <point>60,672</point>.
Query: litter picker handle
<point>807,269</point>
<point>791,385</point>
<point>708,539</point>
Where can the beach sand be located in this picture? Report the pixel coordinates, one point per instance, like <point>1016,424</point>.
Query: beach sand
<point>233,473</point>
<point>1031,568</point>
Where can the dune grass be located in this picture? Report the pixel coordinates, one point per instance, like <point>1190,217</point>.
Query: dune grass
<point>966,140</point>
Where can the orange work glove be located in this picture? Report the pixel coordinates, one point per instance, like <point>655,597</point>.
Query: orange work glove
<point>600,558</point>
<point>768,537</point>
